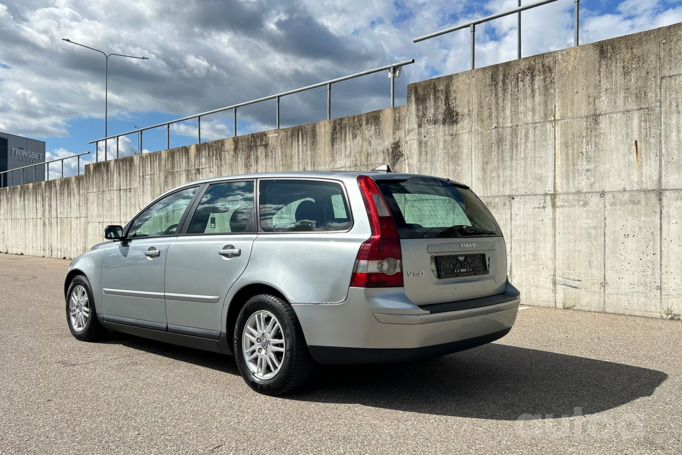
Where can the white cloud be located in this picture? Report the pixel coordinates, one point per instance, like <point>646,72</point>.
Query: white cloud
<point>637,7</point>
<point>206,54</point>
<point>125,148</point>
<point>70,165</point>
<point>197,66</point>
<point>669,17</point>
<point>210,130</point>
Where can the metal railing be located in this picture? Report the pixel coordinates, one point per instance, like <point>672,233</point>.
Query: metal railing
<point>10,172</point>
<point>472,26</point>
<point>393,72</point>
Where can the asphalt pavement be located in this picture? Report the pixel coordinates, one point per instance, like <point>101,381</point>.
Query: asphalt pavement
<point>563,381</point>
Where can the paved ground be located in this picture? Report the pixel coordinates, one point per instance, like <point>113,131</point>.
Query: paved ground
<point>616,378</point>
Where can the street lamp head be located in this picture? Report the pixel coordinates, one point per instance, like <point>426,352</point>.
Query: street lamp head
<point>66,39</point>
<point>145,58</point>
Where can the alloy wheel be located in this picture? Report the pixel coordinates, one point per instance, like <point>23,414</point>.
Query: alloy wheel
<point>79,308</point>
<point>263,345</point>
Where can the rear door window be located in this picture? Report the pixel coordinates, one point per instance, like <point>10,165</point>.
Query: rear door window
<point>426,207</point>
<point>225,208</point>
<point>303,206</point>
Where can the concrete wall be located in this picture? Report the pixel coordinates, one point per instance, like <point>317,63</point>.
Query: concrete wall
<point>577,152</point>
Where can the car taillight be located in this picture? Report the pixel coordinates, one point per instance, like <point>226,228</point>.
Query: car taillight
<point>378,263</point>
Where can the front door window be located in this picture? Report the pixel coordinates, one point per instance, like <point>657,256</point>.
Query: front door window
<point>163,217</point>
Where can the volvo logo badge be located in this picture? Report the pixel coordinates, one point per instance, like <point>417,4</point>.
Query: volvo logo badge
<point>467,245</point>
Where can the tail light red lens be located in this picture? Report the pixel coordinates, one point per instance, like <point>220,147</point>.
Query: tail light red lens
<point>379,261</point>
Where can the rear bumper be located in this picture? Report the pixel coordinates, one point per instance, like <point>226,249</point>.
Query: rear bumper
<point>329,355</point>
<point>383,325</point>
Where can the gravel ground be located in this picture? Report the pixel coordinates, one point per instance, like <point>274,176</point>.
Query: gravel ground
<point>561,382</point>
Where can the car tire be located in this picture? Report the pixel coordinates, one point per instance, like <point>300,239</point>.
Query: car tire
<point>282,361</point>
<point>81,315</point>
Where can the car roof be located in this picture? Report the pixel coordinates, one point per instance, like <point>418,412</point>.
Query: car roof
<point>345,176</point>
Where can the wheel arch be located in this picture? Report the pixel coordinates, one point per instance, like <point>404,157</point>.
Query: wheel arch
<point>89,265</point>
<point>73,273</point>
<point>239,300</point>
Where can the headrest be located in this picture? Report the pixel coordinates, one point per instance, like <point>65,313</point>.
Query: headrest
<point>239,219</point>
<point>307,211</point>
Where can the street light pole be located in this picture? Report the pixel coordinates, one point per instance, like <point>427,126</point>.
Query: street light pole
<point>106,85</point>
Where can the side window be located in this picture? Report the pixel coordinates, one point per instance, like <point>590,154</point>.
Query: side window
<point>224,208</point>
<point>303,206</point>
<point>163,217</point>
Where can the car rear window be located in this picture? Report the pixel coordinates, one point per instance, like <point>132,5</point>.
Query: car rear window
<point>303,206</point>
<point>432,208</point>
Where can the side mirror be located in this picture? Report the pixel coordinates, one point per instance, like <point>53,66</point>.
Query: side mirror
<point>113,232</point>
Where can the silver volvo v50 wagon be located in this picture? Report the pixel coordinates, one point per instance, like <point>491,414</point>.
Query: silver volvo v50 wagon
<point>287,270</point>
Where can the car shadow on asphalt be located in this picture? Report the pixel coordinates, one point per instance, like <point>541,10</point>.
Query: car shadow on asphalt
<point>494,381</point>
<point>198,357</point>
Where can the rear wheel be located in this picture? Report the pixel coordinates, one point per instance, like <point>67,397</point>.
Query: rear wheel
<point>80,311</point>
<point>269,346</point>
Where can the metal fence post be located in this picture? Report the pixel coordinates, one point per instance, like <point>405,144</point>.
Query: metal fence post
<point>473,46</point>
<point>577,23</point>
<point>47,171</point>
<point>62,168</point>
<point>106,141</point>
<point>277,116</point>
<point>519,31</point>
<point>79,165</point>
<point>97,152</point>
<point>116,147</point>
<point>199,129</point>
<point>168,137</point>
<point>140,144</point>
<point>34,174</point>
<point>234,112</point>
<point>329,101</point>
<point>392,73</point>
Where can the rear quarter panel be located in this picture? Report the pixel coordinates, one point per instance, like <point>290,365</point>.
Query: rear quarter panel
<point>306,268</point>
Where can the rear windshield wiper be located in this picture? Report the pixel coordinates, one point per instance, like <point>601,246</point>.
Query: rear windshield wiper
<point>470,230</point>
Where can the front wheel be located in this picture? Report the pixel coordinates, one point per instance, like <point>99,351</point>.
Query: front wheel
<point>269,346</point>
<point>80,311</point>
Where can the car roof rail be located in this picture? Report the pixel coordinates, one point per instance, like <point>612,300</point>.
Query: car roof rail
<point>382,168</point>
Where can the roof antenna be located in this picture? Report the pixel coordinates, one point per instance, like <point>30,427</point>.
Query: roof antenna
<point>383,168</point>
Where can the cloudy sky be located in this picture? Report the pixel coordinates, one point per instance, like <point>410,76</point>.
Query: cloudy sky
<point>206,54</point>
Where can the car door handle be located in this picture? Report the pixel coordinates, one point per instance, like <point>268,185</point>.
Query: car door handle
<point>152,253</point>
<point>229,251</point>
